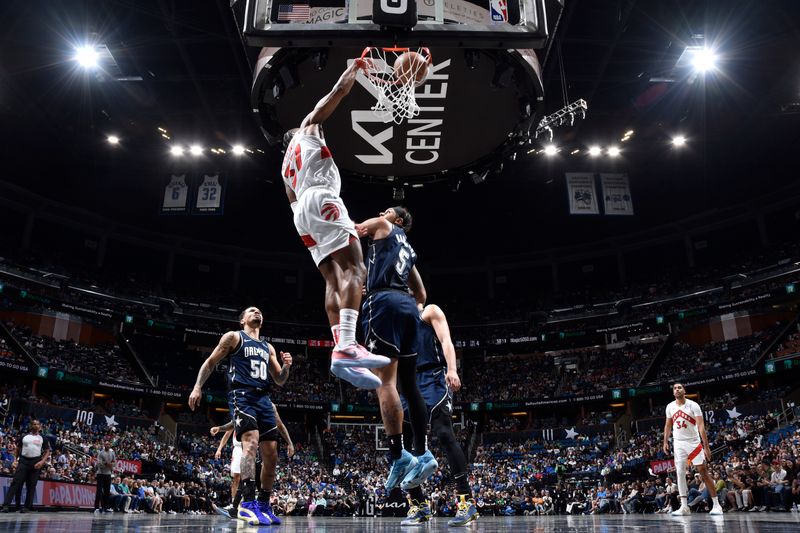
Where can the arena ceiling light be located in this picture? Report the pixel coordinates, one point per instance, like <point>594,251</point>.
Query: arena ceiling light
<point>176,150</point>
<point>196,150</point>
<point>113,139</point>
<point>86,56</point>
<point>678,141</point>
<point>238,149</point>
<point>550,149</point>
<point>704,59</point>
<point>613,151</point>
<point>594,151</point>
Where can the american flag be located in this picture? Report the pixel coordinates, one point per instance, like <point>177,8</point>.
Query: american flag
<point>294,12</point>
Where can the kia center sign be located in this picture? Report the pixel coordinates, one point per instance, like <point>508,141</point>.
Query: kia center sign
<point>474,108</point>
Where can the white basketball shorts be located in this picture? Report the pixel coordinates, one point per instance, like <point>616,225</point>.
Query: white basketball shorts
<point>236,460</point>
<point>689,452</point>
<point>322,222</point>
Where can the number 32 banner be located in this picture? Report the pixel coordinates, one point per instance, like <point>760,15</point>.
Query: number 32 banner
<point>209,195</point>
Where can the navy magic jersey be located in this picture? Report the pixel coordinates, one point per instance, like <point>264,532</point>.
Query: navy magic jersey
<point>429,349</point>
<point>249,365</point>
<point>389,262</point>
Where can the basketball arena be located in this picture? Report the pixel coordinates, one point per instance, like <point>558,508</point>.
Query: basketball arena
<point>353,265</point>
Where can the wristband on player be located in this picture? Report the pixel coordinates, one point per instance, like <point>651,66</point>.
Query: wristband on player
<point>293,205</point>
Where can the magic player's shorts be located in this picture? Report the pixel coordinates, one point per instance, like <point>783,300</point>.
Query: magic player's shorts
<point>689,452</point>
<point>390,321</point>
<point>322,221</point>
<point>251,409</point>
<point>437,395</point>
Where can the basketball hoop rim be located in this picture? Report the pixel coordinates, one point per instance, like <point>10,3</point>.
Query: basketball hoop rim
<point>402,49</point>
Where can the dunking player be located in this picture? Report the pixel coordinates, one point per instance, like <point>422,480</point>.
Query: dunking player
<point>236,458</point>
<point>685,421</point>
<point>312,184</point>
<point>389,320</point>
<point>437,378</point>
<point>252,362</point>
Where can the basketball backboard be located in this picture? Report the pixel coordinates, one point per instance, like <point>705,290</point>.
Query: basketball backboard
<point>446,23</point>
<point>480,104</point>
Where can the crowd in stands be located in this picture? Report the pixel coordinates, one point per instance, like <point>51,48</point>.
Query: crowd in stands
<point>789,346</point>
<point>601,370</point>
<point>498,378</point>
<point>519,475</point>
<point>685,360</point>
<point>101,360</point>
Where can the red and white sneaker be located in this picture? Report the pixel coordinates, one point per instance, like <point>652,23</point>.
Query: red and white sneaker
<point>358,377</point>
<point>356,355</point>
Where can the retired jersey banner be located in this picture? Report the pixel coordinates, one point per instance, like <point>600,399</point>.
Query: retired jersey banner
<point>209,195</point>
<point>616,194</point>
<point>176,195</point>
<point>581,192</point>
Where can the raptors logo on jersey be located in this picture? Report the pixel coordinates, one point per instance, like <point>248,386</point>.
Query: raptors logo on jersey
<point>309,163</point>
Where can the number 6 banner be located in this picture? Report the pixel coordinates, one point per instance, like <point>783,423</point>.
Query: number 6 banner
<point>209,195</point>
<point>176,195</point>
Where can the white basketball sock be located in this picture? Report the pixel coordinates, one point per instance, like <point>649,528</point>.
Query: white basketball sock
<point>348,318</point>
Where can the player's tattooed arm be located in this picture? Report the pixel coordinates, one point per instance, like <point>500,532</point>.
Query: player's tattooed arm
<point>226,345</point>
<point>280,373</point>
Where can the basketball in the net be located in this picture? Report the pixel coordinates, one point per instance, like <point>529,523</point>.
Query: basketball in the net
<point>410,65</point>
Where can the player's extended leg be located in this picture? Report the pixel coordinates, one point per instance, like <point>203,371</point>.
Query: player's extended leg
<point>248,510</point>
<point>716,508</point>
<point>442,427</point>
<point>419,508</point>
<point>418,416</point>
<point>392,416</point>
<point>683,488</point>
<point>344,275</point>
<point>235,479</point>
<point>269,461</point>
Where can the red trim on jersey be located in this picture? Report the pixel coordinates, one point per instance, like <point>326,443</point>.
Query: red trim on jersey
<point>695,453</point>
<point>308,241</point>
<point>681,414</point>
<point>325,152</point>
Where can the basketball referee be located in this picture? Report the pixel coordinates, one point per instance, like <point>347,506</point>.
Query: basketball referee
<point>33,450</point>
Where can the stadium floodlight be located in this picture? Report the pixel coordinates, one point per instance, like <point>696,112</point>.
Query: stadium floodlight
<point>678,140</point>
<point>594,151</point>
<point>176,150</point>
<point>704,60</point>
<point>113,139</point>
<point>613,151</point>
<point>550,149</point>
<point>195,149</point>
<point>86,56</point>
<point>238,149</point>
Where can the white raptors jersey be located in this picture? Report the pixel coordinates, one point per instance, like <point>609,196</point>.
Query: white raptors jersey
<point>236,442</point>
<point>309,163</point>
<point>684,420</point>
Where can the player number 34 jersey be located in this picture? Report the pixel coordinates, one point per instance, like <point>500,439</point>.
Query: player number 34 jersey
<point>308,162</point>
<point>684,420</point>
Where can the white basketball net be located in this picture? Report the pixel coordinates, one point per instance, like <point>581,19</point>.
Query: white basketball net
<point>395,96</point>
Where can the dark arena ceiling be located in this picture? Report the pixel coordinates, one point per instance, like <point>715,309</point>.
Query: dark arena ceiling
<point>182,67</point>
